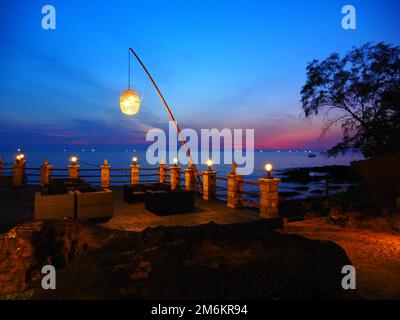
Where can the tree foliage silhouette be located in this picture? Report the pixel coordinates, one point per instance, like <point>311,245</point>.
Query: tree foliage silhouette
<point>361,93</point>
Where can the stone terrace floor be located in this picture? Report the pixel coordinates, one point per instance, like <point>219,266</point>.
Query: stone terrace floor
<point>17,205</point>
<point>134,217</point>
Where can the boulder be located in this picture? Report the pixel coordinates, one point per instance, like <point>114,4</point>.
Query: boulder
<point>239,261</point>
<point>29,246</point>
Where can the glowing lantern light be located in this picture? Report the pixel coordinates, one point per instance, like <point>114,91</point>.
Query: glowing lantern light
<point>209,164</point>
<point>175,161</point>
<point>134,159</point>
<point>268,168</point>
<point>129,102</point>
<point>74,159</point>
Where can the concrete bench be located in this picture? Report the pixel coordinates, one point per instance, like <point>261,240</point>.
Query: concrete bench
<point>54,206</point>
<point>94,203</point>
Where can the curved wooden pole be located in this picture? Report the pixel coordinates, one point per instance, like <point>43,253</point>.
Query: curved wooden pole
<point>165,105</point>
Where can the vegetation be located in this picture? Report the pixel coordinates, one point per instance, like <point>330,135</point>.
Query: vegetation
<point>361,93</point>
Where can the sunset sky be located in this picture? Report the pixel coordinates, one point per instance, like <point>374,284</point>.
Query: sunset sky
<point>220,64</point>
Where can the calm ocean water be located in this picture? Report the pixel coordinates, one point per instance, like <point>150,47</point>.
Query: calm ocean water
<point>280,160</point>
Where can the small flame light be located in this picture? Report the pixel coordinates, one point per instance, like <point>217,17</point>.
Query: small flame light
<point>74,159</point>
<point>19,157</point>
<point>134,159</point>
<point>209,164</point>
<point>175,161</point>
<point>268,168</point>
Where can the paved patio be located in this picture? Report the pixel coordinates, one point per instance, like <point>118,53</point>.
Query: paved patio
<point>134,217</point>
<point>17,204</point>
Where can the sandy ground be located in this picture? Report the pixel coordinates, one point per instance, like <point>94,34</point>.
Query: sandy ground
<point>375,255</point>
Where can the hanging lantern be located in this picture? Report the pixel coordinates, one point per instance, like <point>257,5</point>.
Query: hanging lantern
<point>129,102</point>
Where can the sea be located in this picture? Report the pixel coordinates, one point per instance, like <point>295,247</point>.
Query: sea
<point>92,159</point>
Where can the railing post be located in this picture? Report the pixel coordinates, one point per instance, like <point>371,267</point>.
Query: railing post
<point>135,173</point>
<point>175,177</point>
<point>191,178</point>
<point>45,172</point>
<point>162,173</point>
<point>105,174</point>
<point>18,174</point>
<point>73,170</point>
<point>235,187</point>
<point>1,167</point>
<point>209,184</point>
<point>269,197</point>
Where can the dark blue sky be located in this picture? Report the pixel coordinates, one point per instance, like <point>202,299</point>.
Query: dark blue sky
<point>234,64</point>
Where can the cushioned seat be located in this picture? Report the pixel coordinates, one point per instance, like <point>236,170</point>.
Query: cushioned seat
<point>134,193</point>
<point>163,202</point>
<point>93,203</point>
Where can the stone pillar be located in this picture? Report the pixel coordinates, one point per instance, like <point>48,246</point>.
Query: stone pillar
<point>105,175</point>
<point>235,188</point>
<point>18,174</point>
<point>162,173</point>
<point>73,171</point>
<point>23,162</point>
<point>190,178</point>
<point>209,184</point>
<point>175,177</point>
<point>135,173</point>
<point>269,197</point>
<point>45,172</point>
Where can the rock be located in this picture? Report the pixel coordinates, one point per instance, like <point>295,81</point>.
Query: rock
<point>395,223</point>
<point>301,188</point>
<point>29,246</point>
<point>240,261</point>
<point>335,173</point>
<point>385,212</point>
<point>317,191</point>
<point>312,215</point>
<point>336,215</point>
<point>334,187</point>
<point>353,214</point>
<point>287,194</point>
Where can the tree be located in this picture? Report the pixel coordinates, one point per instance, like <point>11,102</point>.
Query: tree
<point>361,93</point>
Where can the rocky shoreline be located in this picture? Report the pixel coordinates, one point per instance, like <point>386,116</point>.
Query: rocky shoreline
<point>316,182</point>
<point>334,173</point>
<point>242,261</point>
